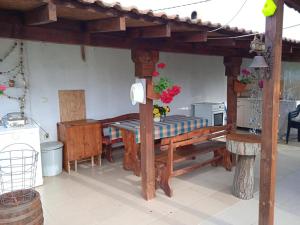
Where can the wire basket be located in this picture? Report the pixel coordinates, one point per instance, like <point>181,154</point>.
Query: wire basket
<point>18,164</point>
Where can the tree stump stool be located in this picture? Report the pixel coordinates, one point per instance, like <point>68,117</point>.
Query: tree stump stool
<point>246,147</point>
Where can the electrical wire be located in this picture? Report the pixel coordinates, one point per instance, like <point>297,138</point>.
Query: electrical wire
<point>235,15</point>
<point>295,25</point>
<point>179,6</point>
<point>249,35</point>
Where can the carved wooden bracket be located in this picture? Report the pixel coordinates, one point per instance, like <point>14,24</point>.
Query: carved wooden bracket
<point>232,65</point>
<point>145,61</point>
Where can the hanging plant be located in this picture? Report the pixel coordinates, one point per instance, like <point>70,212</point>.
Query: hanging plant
<point>243,80</point>
<point>245,77</point>
<point>164,86</point>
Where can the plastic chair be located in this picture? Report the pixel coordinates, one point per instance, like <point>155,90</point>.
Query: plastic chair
<point>293,123</point>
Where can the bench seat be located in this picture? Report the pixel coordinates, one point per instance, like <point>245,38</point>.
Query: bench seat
<point>190,151</point>
<point>187,147</point>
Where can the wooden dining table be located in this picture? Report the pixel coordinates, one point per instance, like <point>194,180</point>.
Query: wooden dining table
<point>129,131</point>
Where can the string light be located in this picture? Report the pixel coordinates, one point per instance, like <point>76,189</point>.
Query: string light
<point>20,72</point>
<point>11,49</point>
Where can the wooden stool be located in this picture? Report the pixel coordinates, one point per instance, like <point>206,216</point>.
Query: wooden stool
<point>246,147</point>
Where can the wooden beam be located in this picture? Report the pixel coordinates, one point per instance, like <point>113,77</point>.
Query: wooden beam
<point>106,25</point>
<point>221,42</point>
<point>49,33</point>
<point>145,61</point>
<point>41,15</point>
<point>160,31</point>
<point>70,32</point>
<point>244,44</point>
<point>273,39</point>
<point>190,36</point>
<point>232,70</point>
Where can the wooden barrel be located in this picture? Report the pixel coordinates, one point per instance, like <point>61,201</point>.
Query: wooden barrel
<point>30,213</point>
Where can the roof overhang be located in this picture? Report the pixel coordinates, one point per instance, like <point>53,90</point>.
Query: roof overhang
<point>295,4</point>
<point>95,23</point>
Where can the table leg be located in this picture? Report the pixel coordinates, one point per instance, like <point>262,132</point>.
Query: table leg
<point>243,182</point>
<point>75,165</point>
<point>131,160</point>
<point>92,161</point>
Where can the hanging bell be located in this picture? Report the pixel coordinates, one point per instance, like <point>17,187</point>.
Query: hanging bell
<point>259,62</point>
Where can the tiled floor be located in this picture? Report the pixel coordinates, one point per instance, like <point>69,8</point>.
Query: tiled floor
<point>109,195</point>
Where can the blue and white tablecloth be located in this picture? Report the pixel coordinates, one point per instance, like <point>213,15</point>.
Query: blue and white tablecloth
<point>169,127</point>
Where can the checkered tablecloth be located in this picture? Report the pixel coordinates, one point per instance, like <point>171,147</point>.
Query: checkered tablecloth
<point>171,126</point>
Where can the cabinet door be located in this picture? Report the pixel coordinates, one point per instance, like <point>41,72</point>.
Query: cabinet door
<point>92,140</point>
<point>75,143</point>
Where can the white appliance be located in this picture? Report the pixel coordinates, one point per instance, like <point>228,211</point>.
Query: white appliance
<point>214,112</point>
<point>15,119</point>
<point>28,134</point>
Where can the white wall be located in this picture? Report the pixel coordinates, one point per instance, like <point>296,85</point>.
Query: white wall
<point>290,76</point>
<point>106,77</point>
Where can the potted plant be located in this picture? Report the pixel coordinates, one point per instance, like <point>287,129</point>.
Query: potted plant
<point>164,90</point>
<point>243,80</point>
<point>160,112</point>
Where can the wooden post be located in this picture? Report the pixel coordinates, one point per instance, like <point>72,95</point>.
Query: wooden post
<point>145,61</point>
<point>232,70</point>
<point>273,39</point>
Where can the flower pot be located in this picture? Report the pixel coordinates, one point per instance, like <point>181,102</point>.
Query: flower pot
<point>150,92</point>
<point>239,87</point>
<point>156,119</point>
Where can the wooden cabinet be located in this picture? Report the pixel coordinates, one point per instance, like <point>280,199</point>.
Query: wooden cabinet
<point>82,140</point>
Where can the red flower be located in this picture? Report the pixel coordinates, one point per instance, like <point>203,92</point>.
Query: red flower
<point>161,65</point>
<point>261,84</point>
<point>175,90</point>
<point>166,98</point>
<point>2,87</point>
<point>155,73</point>
<point>246,72</point>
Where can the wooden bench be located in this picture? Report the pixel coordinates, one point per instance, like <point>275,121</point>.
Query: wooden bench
<point>186,147</point>
<point>106,142</point>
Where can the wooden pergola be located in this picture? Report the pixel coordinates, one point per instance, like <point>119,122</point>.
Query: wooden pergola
<point>95,23</point>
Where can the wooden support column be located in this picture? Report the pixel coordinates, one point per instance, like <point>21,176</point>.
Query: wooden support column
<point>145,61</point>
<point>273,39</point>
<point>232,70</point>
